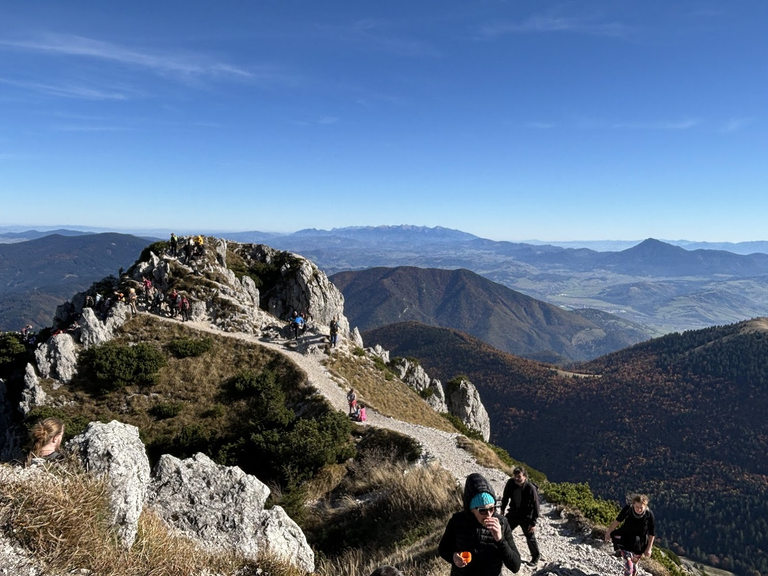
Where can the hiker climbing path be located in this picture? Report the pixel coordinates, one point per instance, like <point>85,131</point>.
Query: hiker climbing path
<point>565,551</point>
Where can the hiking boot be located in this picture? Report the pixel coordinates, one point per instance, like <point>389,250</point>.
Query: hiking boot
<point>534,561</point>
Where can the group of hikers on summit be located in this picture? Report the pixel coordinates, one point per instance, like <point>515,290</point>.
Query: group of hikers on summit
<point>478,540</point>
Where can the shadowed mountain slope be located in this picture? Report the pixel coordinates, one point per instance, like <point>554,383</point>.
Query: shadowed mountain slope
<point>37,275</point>
<point>680,417</point>
<point>504,318</point>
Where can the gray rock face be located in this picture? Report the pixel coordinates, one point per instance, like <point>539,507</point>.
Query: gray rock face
<point>431,389</point>
<point>463,401</point>
<point>57,358</point>
<point>116,451</point>
<point>379,352</point>
<point>356,338</point>
<point>32,395</point>
<point>222,508</point>
<point>94,332</point>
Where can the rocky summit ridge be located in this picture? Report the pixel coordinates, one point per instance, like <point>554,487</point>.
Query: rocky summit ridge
<point>248,292</point>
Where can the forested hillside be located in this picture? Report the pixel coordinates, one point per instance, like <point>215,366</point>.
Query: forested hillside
<point>504,318</point>
<point>681,417</point>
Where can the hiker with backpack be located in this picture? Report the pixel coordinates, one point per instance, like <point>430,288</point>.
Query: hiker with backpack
<point>634,539</point>
<point>352,400</point>
<point>298,326</point>
<point>334,332</point>
<point>523,499</point>
<point>185,309</point>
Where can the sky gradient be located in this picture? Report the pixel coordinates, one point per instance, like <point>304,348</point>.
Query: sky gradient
<point>574,120</point>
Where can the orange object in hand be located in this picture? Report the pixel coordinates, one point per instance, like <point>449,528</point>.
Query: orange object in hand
<point>466,556</point>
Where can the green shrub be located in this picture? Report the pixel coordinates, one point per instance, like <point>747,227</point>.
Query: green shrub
<point>427,393</point>
<point>13,353</point>
<point>188,347</point>
<point>158,248</point>
<point>166,410</point>
<point>669,560</point>
<point>215,411</point>
<point>357,351</point>
<point>113,366</point>
<point>454,384</point>
<point>461,427</point>
<point>580,497</point>
<point>380,442</point>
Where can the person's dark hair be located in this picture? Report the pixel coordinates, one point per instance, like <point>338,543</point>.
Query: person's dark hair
<point>520,470</point>
<point>386,571</point>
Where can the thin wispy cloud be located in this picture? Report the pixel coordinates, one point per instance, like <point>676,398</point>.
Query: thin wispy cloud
<point>65,91</point>
<point>188,65</point>
<point>657,125</point>
<point>541,125</point>
<point>540,24</point>
<point>328,120</point>
<point>377,35</point>
<point>735,124</point>
<point>86,128</point>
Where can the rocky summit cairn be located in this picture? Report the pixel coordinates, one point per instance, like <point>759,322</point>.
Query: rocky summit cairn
<point>222,508</point>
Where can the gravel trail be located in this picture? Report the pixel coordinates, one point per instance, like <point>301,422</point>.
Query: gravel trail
<point>565,551</point>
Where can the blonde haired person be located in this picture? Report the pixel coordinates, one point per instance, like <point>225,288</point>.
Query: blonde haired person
<point>636,535</point>
<point>46,440</point>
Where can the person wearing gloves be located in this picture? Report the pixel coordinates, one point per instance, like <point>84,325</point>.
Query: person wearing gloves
<point>478,540</point>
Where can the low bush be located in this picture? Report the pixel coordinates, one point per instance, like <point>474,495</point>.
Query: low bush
<point>389,445</point>
<point>580,497</point>
<point>461,427</point>
<point>166,410</point>
<point>189,347</point>
<point>13,353</point>
<point>113,366</point>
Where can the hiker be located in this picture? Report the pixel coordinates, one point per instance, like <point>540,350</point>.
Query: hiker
<point>132,300</point>
<point>477,540</point>
<point>176,303</point>
<point>523,499</point>
<point>298,325</point>
<point>46,440</point>
<point>386,571</point>
<point>334,332</point>
<point>157,301</point>
<point>174,244</point>
<point>172,302</point>
<point>185,307</point>
<point>147,289</point>
<point>635,537</point>
<point>352,400</point>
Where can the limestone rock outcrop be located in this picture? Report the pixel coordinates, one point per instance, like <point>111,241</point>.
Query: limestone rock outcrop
<point>431,389</point>
<point>463,401</point>
<point>115,450</point>
<point>32,395</point>
<point>222,508</point>
<point>94,331</point>
<point>57,358</point>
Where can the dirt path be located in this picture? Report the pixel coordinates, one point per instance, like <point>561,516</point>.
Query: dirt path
<point>564,552</point>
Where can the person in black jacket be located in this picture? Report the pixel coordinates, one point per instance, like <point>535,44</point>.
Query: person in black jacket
<point>482,532</point>
<point>636,535</point>
<point>523,499</point>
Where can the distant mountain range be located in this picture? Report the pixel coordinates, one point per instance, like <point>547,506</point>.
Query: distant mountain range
<point>504,318</point>
<point>654,284</point>
<point>681,417</point>
<point>38,275</point>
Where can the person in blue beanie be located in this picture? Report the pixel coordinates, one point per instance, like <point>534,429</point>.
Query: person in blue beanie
<point>477,541</point>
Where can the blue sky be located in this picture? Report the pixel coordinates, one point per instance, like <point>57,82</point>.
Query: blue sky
<point>510,120</point>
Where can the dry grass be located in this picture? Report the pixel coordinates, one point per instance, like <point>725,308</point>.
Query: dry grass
<point>194,381</point>
<point>483,454</point>
<point>61,515</point>
<point>384,513</point>
<point>388,397</point>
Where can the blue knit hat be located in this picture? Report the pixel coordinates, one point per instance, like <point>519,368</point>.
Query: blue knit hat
<point>482,499</point>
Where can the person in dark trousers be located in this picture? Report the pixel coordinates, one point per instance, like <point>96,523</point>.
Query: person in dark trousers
<point>386,571</point>
<point>635,537</point>
<point>478,540</point>
<point>523,499</point>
